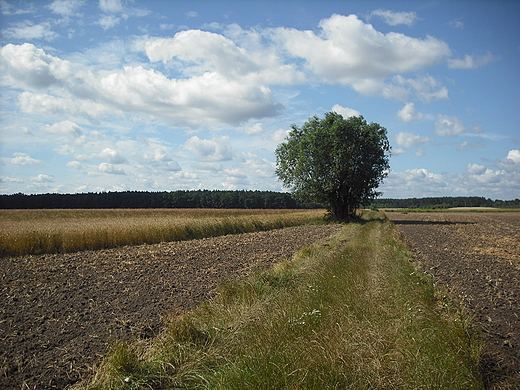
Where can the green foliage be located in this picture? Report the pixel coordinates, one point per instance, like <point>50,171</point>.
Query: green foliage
<point>334,161</point>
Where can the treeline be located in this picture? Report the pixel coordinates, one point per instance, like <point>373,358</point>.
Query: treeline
<point>445,202</point>
<point>142,199</point>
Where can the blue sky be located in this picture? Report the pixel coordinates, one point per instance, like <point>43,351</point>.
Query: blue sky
<point>117,95</point>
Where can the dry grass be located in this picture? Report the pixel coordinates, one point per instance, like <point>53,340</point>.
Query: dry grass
<point>49,231</point>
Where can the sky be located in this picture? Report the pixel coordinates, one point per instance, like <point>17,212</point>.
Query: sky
<point>150,95</point>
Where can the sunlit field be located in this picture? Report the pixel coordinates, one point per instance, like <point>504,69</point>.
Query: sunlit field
<point>354,313</point>
<point>50,231</point>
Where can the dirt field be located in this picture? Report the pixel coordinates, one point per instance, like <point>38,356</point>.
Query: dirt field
<point>59,313</point>
<point>477,255</point>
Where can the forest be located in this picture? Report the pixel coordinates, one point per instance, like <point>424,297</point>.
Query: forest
<point>165,199</point>
<point>444,202</point>
<point>220,199</point>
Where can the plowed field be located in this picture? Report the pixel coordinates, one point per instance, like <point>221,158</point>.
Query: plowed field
<point>59,313</point>
<point>477,256</point>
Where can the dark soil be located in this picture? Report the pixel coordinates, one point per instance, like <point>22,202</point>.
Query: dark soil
<point>60,313</point>
<point>477,256</point>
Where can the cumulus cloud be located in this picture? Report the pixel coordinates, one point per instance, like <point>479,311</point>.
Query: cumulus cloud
<point>449,125</point>
<point>42,178</point>
<point>112,156</point>
<point>223,79</point>
<point>345,111</point>
<point>110,169</point>
<point>512,161</point>
<point>407,140</point>
<point>52,105</point>
<point>409,113</point>
<point>65,127</point>
<point>65,7</point>
<point>395,18</point>
<point>111,6</point>
<point>418,177</point>
<point>476,169</point>
<point>471,62</point>
<point>24,159</point>
<point>27,30</point>
<point>346,50</point>
<point>426,88</point>
<point>257,128</point>
<point>210,97</point>
<point>215,149</point>
<point>108,21</point>
<point>159,159</point>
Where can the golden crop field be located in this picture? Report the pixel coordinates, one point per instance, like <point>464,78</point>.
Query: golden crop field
<point>49,231</point>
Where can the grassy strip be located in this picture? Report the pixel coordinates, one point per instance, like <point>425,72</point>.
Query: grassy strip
<point>355,313</point>
<point>60,231</point>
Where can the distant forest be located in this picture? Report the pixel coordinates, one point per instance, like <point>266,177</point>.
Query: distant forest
<point>220,200</point>
<point>145,200</point>
<point>445,202</point>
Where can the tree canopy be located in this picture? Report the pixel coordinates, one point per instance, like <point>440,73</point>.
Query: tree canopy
<point>334,161</point>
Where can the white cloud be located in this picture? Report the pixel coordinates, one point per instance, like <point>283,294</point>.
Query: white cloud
<point>456,23</point>
<point>74,164</point>
<point>111,6</point>
<point>407,140</point>
<point>512,161</point>
<point>7,179</point>
<point>27,30</point>
<point>346,50</point>
<point>409,113</point>
<point>112,156</point>
<point>395,18</point>
<point>471,62</point>
<point>9,9</point>
<point>159,159</point>
<point>41,178</point>
<point>215,149</point>
<point>420,152</point>
<point>257,128</point>
<point>345,111</point>
<point>449,126</point>
<point>417,182</point>
<point>476,169</point>
<point>210,97</point>
<point>426,88</point>
<point>108,21</point>
<point>51,105</point>
<point>66,7</point>
<point>24,159</point>
<point>110,169</point>
<point>65,127</point>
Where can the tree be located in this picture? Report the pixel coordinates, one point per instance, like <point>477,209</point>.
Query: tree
<point>334,161</point>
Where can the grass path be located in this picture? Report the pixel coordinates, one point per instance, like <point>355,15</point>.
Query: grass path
<point>352,313</point>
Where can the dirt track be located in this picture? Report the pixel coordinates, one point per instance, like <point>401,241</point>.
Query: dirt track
<point>477,255</point>
<point>59,313</point>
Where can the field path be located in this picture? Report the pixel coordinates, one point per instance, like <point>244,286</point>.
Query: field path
<point>477,256</point>
<point>59,313</point>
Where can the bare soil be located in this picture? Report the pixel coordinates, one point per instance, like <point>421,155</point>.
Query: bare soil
<point>477,256</point>
<point>60,313</point>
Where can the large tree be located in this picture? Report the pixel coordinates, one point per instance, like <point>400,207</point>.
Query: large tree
<point>334,161</point>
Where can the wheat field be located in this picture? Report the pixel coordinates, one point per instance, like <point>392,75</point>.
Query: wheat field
<point>49,231</point>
